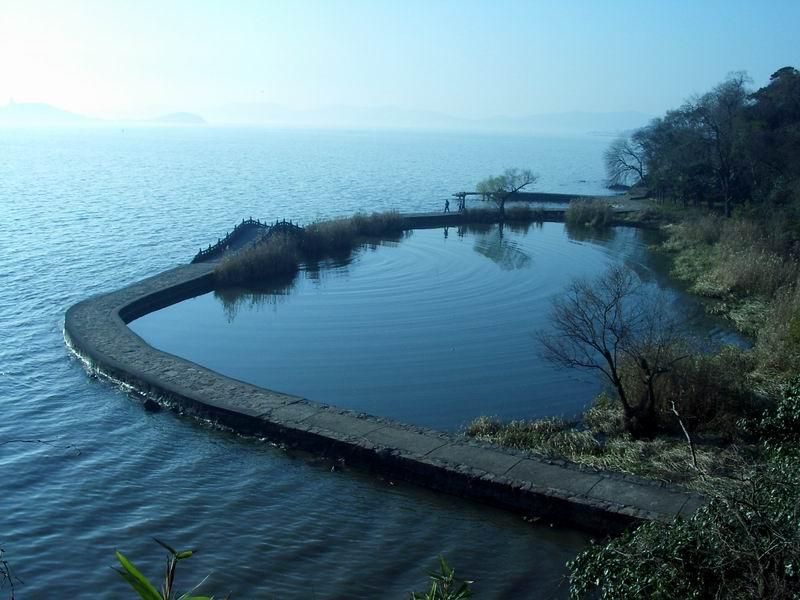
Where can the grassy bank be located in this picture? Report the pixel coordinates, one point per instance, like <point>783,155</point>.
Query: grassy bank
<point>597,440</point>
<point>589,213</point>
<point>746,270</point>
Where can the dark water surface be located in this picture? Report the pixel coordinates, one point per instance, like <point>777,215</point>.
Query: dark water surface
<point>435,330</point>
<point>86,211</point>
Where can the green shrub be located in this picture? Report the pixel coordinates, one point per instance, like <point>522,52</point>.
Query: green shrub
<point>744,544</point>
<point>147,590</point>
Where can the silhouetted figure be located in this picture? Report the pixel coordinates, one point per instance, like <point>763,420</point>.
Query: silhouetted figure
<point>447,206</point>
<point>445,233</point>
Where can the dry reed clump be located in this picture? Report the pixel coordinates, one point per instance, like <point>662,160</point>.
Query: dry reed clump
<point>524,213</point>
<point>377,224</point>
<point>754,272</point>
<point>777,346</point>
<point>281,254</point>
<point>604,446</point>
<point>340,236</point>
<point>328,237</point>
<point>278,256</point>
<point>589,213</point>
<point>702,230</point>
<point>731,259</point>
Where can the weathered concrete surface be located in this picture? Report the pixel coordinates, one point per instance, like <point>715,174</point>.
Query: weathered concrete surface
<point>560,492</point>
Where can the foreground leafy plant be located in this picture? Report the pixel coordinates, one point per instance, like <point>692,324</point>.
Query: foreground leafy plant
<point>444,585</point>
<point>745,544</point>
<point>143,586</point>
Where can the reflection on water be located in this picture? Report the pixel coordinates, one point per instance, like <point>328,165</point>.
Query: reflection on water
<point>426,331</point>
<point>596,235</point>
<point>279,288</point>
<point>245,504</point>
<point>505,252</point>
<point>259,297</point>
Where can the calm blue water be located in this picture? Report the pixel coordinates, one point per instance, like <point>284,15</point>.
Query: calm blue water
<point>86,211</point>
<point>435,330</point>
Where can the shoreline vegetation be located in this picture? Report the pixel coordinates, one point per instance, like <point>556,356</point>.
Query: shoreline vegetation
<point>723,172</point>
<point>281,255</point>
<point>742,410</point>
<point>724,175</point>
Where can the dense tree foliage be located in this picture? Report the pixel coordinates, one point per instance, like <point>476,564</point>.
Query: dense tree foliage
<point>725,148</point>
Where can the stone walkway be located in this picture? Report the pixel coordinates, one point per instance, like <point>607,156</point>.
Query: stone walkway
<point>555,491</point>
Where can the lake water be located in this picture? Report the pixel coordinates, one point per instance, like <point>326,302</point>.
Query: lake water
<point>435,330</point>
<point>85,211</point>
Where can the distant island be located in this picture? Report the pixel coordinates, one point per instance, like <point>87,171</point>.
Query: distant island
<point>34,114</point>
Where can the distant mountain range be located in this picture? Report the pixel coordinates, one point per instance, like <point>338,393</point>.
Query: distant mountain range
<point>607,123</point>
<point>25,114</point>
<point>38,114</point>
<point>344,117</point>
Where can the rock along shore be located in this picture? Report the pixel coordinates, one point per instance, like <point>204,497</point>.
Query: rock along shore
<point>555,491</point>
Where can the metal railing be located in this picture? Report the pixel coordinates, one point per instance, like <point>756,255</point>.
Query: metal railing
<point>224,244</point>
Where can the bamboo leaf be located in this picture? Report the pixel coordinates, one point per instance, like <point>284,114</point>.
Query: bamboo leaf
<point>166,547</point>
<point>137,581</point>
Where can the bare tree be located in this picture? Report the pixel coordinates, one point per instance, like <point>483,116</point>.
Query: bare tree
<point>625,161</point>
<point>498,189</point>
<point>609,324</point>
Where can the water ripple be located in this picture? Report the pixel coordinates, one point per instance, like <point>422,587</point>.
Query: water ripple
<point>86,211</point>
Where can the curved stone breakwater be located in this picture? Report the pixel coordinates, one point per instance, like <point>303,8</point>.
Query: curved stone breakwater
<point>96,329</point>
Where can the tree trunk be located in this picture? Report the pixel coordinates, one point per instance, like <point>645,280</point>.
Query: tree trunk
<point>639,421</point>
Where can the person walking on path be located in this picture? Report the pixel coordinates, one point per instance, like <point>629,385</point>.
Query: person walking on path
<point>447,205</point>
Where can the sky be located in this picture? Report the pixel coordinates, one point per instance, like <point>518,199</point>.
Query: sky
<point>471,59</point>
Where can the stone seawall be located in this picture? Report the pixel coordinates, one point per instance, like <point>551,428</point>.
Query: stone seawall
<point>96,329</point>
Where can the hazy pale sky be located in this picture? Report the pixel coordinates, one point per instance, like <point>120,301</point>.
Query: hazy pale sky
<point>464,58</point>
